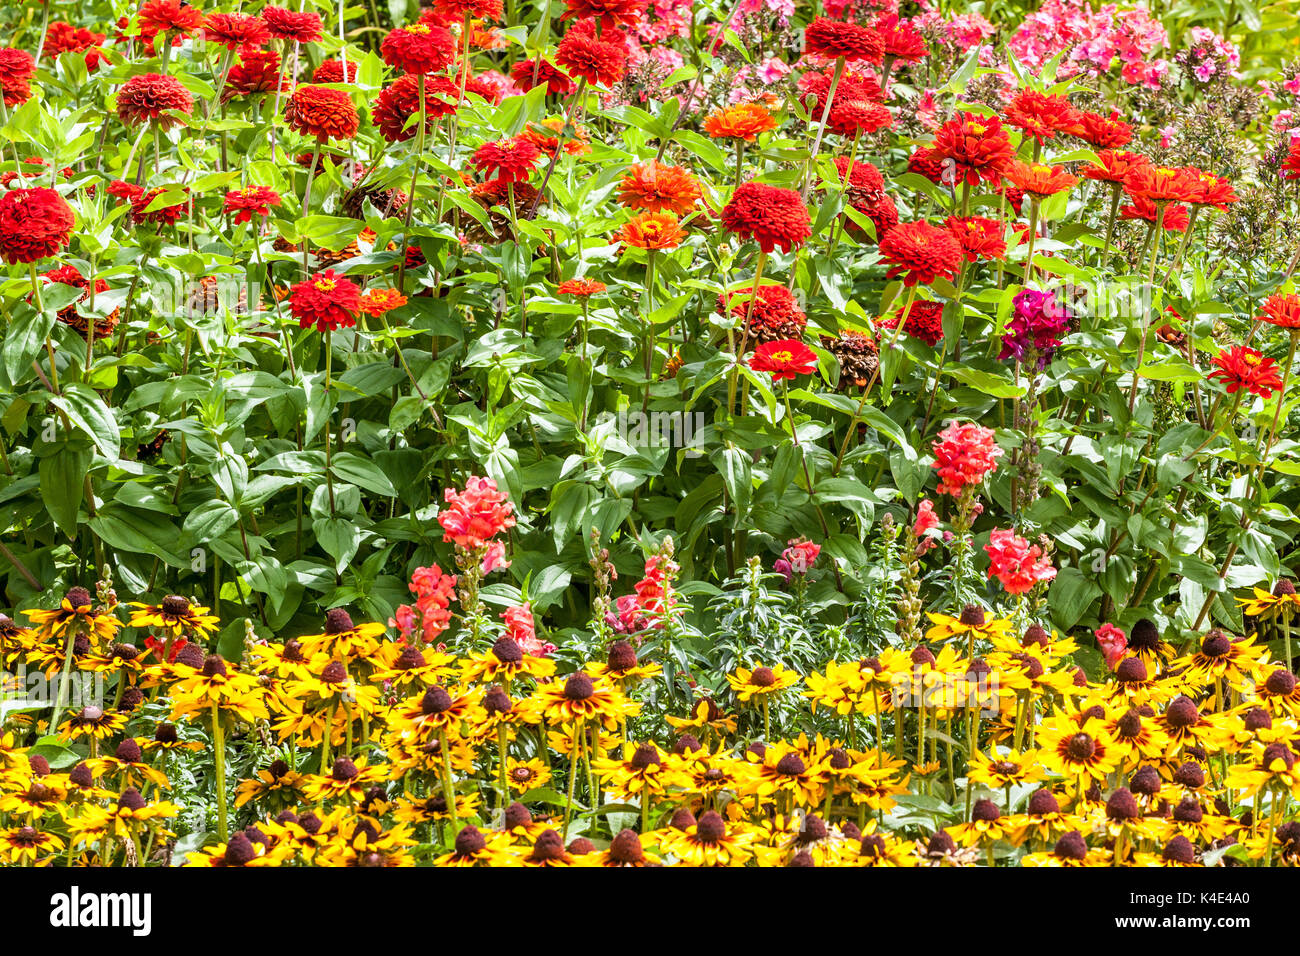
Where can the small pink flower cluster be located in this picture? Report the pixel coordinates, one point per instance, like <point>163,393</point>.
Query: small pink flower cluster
<point>1094,40</point>
<point>963,455</point>
<point>1113,643</point>
<point>1016,563</point>
<point>797,558</point>
<point>652,604</point>
<point>476,515</point>
<point>431,613</point>
<point>521,628</point>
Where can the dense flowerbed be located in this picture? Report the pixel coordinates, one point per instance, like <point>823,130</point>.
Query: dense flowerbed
<point>616,433</point>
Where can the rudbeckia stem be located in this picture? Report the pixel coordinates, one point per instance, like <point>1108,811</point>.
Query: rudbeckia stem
<point>219,756</point>
<point>448,782</point>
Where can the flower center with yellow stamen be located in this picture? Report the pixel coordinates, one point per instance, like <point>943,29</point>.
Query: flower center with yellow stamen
<point>1252,360</point>
<point>419,29</point>
<point>783,356</point>
<point>325,285</point>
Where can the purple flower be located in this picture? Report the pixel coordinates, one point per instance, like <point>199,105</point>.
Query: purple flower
<point>1039,322</point>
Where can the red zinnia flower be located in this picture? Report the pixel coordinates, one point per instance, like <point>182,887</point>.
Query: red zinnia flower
<point>902,40</point>
<point>63,38</point>
<point>419,48</point>
<point>852,86</point>
<point>977,145</point>
<point>597,62</point>
<point>398,102</point>
<point>924,321</point>
<point>1281,309</point>
<point>251,200</point>
<point>1160,184</point>
<point>258,71</point>
<point>508,159</point>
<point>1115,166</point>
<point>326,300</point>
<point>582,287</point>
<point>963,455</point>
<point>145,97</point>
<point>927,162</point>
<point>331,71</point>
<point>769,215</point>
<point>785,359</point>
<point>34,223</point>
<point>775,314</point>
<point>235,31</point>
<point>557,83</point>
<point>920,253</point>
<point>608,13</point>
<point>1173,218</point>
<point>141,199</point>
<point>285,24</point>
<point>1242,367</point>
<point>159,16</point>
<point>1291,165</point>
<point>863,178</point>
<point>1210,190</point>
<point>1104,132</point>
<point>979,238</point>
<point>652,185</point>
<point>832,39</point>
<point>851,117</point>
<point>458,10</point>
<point>68,315</point>
<point>1039,115</point>
<point>16,70</point>
<point>322,112</point>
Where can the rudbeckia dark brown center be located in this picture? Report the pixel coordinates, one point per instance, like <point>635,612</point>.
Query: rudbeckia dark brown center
<point>239,851</point>
<point>1182,712</point>
<point>626,848</point>
<point>128,751</point>
<point>334,673</point>
<point>578,686</point>
<point>1130,724</point>
<point>1188,811</point>
<point>521,774</point>
<point>469,841</point>
<point>81,776</point>
<point>1041,803</point>
<point>517,815</point>
<point>337,620</point>
<point>293,652</point>
<point>1035,634</point>
<point>1131,670</point>
<point>310,822</point>
<point>977,668</point>
<point>1144,637</point>
<point>1081,747</point>
<point>581,846</point>
<point>1275,752</point>
<point>682,818</point>
<point>1146,781</point>
<point>124,652</point>
<point>1283,588</point>
<point>214,666</point>
<point>131,799</point>
<point>814,830</point>
<point>686,743</point>
<point>1190,775</point>
<point>972,615</point>
<point>986,811</point>
<point>173,605</point>
<point>941,842</point>
<point>26,836</point>
<point>77,597</point>
<point>1179,850</point>
<point>791,765</point>
<point>497,701</point>
<point>409,659</point>
<point>802,858</point>
<point>507,650</point>
<point>344,770</point>
<point>1071,847</point>
<point>710,828</point>
<point>646,755</point>
<point>873,845</point>
<point>713,775</point>
<point>1216,644</point>
<point>622,657</point>
<point>91,714</point>
<point>1280,683</point>
<point>166,734</point>
<point>1122,806</point>
<point>762,677</point>
<point>278,769</point>
<point>436,700</point>
<point>549,846</point>
<point>839,759</point>
<point>922,656</point>
<point>1257,719</point>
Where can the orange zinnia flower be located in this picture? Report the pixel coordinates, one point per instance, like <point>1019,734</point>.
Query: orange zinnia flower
<point>378,301</point>
<point>1038,179</point>
<point>652,230</point>
<point>743,121</point>
<point>654,187</point>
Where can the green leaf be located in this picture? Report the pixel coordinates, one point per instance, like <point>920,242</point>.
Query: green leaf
<point>340,537</point>
<point>63,477</point>
<point>87,411</point>
<point>24,340</point>
<point>363,472</point>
